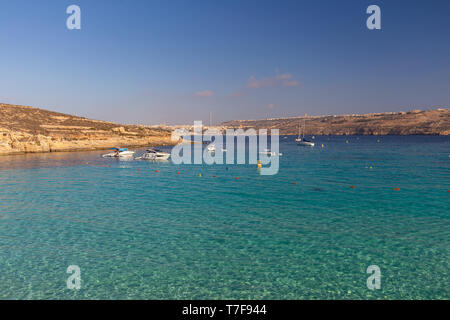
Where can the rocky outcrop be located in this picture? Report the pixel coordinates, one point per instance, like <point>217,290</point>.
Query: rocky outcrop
<point>429,122</point>
<point>26,129</point>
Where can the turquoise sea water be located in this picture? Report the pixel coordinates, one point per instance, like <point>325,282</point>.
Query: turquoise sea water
<point>140,234</point>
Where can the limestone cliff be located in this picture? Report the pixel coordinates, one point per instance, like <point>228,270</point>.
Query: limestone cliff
<point>26,129</point>
<point>429,122</point>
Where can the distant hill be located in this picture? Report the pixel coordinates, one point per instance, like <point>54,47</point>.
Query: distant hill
<point>27,129</point>
<point>429,122</point>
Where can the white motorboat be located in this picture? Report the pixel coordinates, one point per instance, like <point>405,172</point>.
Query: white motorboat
<point>301,141</point>
<point>119,153</point>
<point>270,153</point>
<point>154,154</point>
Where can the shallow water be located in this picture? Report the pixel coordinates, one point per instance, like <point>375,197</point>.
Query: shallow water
<point>140,234</point>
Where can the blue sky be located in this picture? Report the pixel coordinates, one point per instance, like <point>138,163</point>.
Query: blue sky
<point>176,61</point>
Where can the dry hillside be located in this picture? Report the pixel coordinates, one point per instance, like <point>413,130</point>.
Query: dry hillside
<point>27,129</point>
<point>430,122</point>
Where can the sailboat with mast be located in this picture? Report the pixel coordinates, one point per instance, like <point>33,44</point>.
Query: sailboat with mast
<point>301,141</point>
<point>212,147</point>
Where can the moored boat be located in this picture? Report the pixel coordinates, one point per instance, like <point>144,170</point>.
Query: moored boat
<point>211,148</point>
<point>154,154</point>
<point>119,153</point>
<point>270,153</point>
<point>301,141</point>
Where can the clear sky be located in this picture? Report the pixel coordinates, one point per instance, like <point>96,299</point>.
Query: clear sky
<point>176,61</point>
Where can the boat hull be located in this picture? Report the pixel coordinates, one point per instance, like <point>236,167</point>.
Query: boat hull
<point>154,157</point>
<point>306,144</point>
<point>124,154</point>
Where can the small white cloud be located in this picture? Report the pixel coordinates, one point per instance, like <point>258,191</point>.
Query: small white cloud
<point>259,83</point>
<point>285,76</point>
<point>205,93</point>
<point>291,83</point>
<point>238,93</point>
<point>285,80</point>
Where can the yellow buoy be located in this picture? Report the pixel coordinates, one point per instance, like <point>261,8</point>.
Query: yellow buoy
<point>199,174</point>
<point>322,145</point>
<point>259,164</point>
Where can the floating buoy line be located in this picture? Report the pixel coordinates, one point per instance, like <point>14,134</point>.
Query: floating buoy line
<point>259,166</point>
